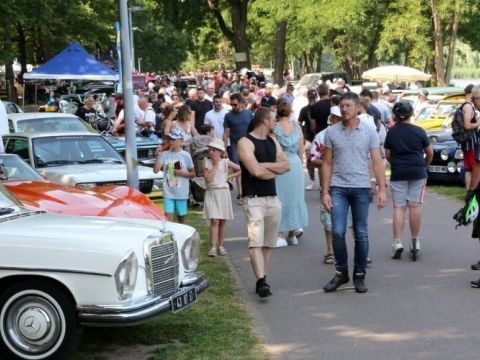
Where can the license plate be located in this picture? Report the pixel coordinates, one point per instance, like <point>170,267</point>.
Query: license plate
<point>183,299</point>
<point>437,169</point>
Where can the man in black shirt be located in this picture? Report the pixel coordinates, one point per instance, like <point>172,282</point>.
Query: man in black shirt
<point>200,107</point>
<point>87,112</point>
<point>304,120</point>
<point>261,160</point>
<point>321,110</point>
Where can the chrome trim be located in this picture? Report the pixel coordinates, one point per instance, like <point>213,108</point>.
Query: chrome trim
<point>129,315</point>
<point>81,272</point>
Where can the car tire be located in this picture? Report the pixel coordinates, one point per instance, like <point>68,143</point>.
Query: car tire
<point>38,321</point>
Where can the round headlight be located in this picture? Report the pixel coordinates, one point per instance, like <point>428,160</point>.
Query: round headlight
<point>460,166</point>
<point>451,167</point>
<point>444,154</point>
<point>458,154</point>
<point>191,252</point>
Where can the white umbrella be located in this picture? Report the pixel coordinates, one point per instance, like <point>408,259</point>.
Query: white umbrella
<point>395,73</point>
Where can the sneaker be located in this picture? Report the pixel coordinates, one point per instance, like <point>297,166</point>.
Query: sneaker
<point>222,251</point>
<point>292,240</point>
<point>240,202</point>
<point>212,252</point>
<point>299,232</point>
<point>475,266</point>
<point>475,284</point>
<point>417,245</point>
<point>359,282</point>
<point>415,249</point>
<point>311,187</point>
<point>340,278</point>
<point>262,288</point>
<point>281,242</point>
<point>397,249</point>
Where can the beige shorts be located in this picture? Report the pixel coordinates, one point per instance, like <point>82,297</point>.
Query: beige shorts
<point>262,215</point>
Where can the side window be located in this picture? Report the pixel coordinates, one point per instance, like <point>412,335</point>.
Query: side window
<point>19,147</point>
<point>11,129</point>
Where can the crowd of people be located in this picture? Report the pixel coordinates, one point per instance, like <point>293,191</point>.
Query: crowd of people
<point>261,135</point>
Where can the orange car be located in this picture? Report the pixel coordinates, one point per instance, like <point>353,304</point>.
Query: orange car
<point>39,194</point>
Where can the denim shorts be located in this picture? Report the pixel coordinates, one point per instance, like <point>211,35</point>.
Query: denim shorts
<point>175,206</point>
<point>406,191</point>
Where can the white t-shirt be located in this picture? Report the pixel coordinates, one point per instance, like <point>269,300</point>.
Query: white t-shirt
<point>215,119</point>
<point>368,119</point>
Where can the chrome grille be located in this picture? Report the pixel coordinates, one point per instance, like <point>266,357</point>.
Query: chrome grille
<point>164,268</point>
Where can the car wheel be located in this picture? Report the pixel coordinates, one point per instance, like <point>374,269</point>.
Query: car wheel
<point>37,321</point>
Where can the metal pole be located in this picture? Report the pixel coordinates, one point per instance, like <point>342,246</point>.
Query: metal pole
<point>132,60</point>
<point>139,68</point>
<point>130,138</point>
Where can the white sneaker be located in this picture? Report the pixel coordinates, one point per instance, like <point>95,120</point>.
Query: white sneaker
<point>292,240</point>
<point>311,187</point>
<point>299,232</point>
<point>281,242</point>
<point>397,249</point>
<point>417,245</point>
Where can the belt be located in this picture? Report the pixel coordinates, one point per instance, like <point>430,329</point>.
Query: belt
<point>256,196</point>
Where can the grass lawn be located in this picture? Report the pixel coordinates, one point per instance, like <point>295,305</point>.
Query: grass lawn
<point>218,326</point>
<point>452,191</point>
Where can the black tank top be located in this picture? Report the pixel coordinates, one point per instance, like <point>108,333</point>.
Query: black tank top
<point>265,151</point>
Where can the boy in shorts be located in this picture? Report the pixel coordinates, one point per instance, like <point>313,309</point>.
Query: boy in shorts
<point>177,166</point>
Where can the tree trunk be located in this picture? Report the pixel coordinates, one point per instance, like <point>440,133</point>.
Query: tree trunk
<point>238,36</point>
<point>319,59</point>
<point>22,46</point>
<point>437,26</point>
<point>280,51</point>
<point>453,39</point>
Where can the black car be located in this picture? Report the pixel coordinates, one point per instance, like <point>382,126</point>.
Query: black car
<point>447,163</point>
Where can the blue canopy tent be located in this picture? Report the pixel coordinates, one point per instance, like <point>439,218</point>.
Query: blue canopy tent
<point>73,63</point>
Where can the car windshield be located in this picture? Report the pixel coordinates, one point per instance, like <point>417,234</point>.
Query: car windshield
<point>70,149</point>
<point>13,168</point>
<point>54,124</point>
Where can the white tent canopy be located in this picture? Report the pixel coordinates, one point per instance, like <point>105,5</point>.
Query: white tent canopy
<point>395,73</point>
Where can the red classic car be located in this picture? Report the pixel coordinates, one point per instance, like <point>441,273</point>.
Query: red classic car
<point>39,194</point>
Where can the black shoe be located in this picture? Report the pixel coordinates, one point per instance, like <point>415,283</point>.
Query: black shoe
<point>262,288</point>
<point>475,284</point>
<point>359,282</point>
<point>475,266</point>
<point>339,279</point>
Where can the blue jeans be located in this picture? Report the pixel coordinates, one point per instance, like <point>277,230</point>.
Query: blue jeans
<point>359,200</point>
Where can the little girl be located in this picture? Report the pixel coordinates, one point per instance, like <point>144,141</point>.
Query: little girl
<point>217,206</point>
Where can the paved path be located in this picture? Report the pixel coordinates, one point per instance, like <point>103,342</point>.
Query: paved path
<point>413,310</point>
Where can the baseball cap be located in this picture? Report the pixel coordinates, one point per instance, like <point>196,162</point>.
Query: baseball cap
<point>335,110</point>
<point>423,92</point>
<point>402,110</point>
<point>175,134</point>
<point>312,93</point>
<point>217,144</point>
<point>268,101</point>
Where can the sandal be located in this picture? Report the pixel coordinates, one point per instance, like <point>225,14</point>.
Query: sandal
<point>329,259</point>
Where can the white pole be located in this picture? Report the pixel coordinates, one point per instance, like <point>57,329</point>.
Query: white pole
<point>130,138</point>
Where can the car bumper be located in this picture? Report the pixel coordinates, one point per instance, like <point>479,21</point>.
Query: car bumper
<point>446,177</point>
<point>133,314</point>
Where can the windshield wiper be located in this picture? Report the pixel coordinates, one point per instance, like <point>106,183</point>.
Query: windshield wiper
<point>102,161</point>
<point>59,162</point>
<point>5,211</point>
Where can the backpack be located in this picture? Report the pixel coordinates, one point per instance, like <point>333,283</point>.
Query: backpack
<point>459,133</point>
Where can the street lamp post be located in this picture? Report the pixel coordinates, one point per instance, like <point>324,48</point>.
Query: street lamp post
<point>139,62</point>
<point>132,46</point>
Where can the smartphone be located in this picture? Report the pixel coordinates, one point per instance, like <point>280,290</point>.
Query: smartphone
<point>177,165</point>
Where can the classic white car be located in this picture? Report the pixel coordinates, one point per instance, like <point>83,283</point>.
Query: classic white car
<point>59,272</point>
<point>78,159</point>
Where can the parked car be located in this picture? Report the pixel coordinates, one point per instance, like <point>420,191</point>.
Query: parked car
<point>37,193</point>
<point>447,163</point>
<point>11,107</point>
<point>441,115</point>
<point>48,122</point>
<point>314,79</point>
<point>61,272</point>
<point>435,94</point>
<point>85,160</point>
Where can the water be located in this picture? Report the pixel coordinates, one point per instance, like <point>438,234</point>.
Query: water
<point>461,83</point>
